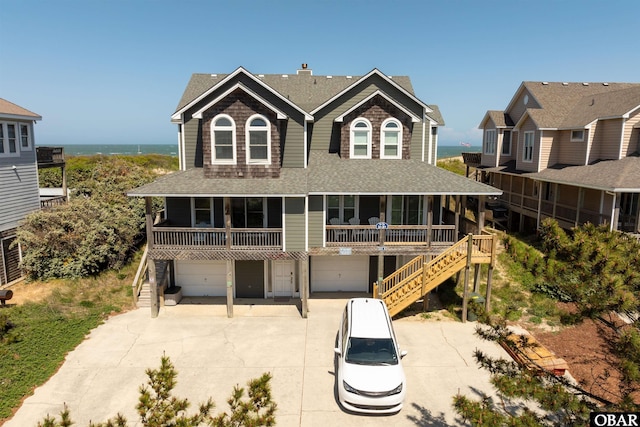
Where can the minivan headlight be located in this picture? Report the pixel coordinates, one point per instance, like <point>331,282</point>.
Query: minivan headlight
<point>348,388</point>
<point>396,390</point>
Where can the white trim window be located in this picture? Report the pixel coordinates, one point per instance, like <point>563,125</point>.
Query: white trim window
<point>258,140</point>
<point>406,210</point>
<point>9,140</point>
<point>360,140</point>
<point>342,208</point>
<point>391,135</point>
<point>527,153</point>
<point>490,141</point>
<point>506,143</point>
<point>223,140</point>
<point>25,137</point>
<point>577,135</point>
<point>201,212</point>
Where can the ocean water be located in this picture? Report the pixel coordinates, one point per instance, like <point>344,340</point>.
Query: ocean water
<point>172,149</point>
<point>129,149</point>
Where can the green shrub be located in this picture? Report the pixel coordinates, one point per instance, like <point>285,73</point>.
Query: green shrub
<point>81,238</point>
<point>100,227</point>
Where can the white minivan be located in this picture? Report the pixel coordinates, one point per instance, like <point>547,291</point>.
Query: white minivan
<point>370,377</point>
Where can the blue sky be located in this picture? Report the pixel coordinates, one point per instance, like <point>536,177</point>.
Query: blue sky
<point>113,71</point>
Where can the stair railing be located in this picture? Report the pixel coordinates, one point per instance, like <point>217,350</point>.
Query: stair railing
<point>140,276</point>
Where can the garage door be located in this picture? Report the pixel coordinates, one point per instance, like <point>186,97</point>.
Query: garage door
<point>202,278</point>
<point>339,273</point>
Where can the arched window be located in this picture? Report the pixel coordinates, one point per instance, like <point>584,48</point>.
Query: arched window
<point>360,143</point>
<point>258,140</point>
<point>391,139</point>
<point>223,140</point>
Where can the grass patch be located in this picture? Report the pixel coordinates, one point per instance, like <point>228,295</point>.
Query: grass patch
<point>43,332</point>
<point>453,165</point>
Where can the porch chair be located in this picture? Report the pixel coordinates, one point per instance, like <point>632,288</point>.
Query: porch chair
<point>358,232</point>
<point>340,234</point>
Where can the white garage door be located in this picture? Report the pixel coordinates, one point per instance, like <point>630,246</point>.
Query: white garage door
<point>340,273</point>
<point>202,278</point>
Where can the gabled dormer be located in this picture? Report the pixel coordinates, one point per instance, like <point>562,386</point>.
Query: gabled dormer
<point>376,117</point>
<point>237,126</point>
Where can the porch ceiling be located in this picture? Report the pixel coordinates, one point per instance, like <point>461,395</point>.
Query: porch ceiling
<point>327,174</point>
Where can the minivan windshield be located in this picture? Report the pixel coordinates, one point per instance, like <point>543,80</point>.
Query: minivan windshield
<point>371,351</point>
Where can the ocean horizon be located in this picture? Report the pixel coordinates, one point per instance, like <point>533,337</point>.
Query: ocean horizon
<point>444,151</point>
<point>113,149</point>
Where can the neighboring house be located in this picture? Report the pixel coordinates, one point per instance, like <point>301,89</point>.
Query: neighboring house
<point>18,182</point>
<point>568,151</point>
<point>291,184</point>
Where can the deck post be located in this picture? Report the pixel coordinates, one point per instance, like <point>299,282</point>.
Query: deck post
<point>153,287</point>
<point>476,278</point>
<point>430,205</point>
<point>425,295</point>
<point>456,216</point>
<point>227,221</point>
<point>465,292</point>
<point>229,288</point>
<point>304,286</point>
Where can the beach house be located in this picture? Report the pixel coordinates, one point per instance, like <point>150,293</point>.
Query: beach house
<point>293,185</point>
<point>18,181</point>
<point>565,150</point>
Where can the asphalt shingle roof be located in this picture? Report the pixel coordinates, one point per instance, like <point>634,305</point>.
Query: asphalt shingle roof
<point>9,108</point>
<point>611,175</point>
<point>292,181</point>
<point>307,91</point>
<point>608,175</point>
<point>327,174</point>
<point>566,105</point>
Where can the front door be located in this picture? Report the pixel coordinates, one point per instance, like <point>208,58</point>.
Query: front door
<point>249,279</point>
<point>284,278</point>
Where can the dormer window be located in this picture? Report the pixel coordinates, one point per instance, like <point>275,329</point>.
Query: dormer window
<point>223,140</point>
<point>391,135</point>
<point>258,140</point>
<point>577,135</point>
<point>360,143</point>
<point>490,142</point>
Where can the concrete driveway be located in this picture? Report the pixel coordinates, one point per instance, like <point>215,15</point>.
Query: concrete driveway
<point>212,353</point>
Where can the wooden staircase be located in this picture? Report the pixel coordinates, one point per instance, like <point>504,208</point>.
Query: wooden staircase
<point>424,273</point>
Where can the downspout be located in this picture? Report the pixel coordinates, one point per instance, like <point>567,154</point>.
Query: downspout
<point>284,215</point>
<point>306,223</point>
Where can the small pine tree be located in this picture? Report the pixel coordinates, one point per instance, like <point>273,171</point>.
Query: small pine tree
<point>157,406</point>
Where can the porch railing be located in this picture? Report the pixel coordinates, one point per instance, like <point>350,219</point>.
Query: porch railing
<point>411,235</point>
<point>186,237</point>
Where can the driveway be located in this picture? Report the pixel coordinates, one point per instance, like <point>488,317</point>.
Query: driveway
<point>212,353</point>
